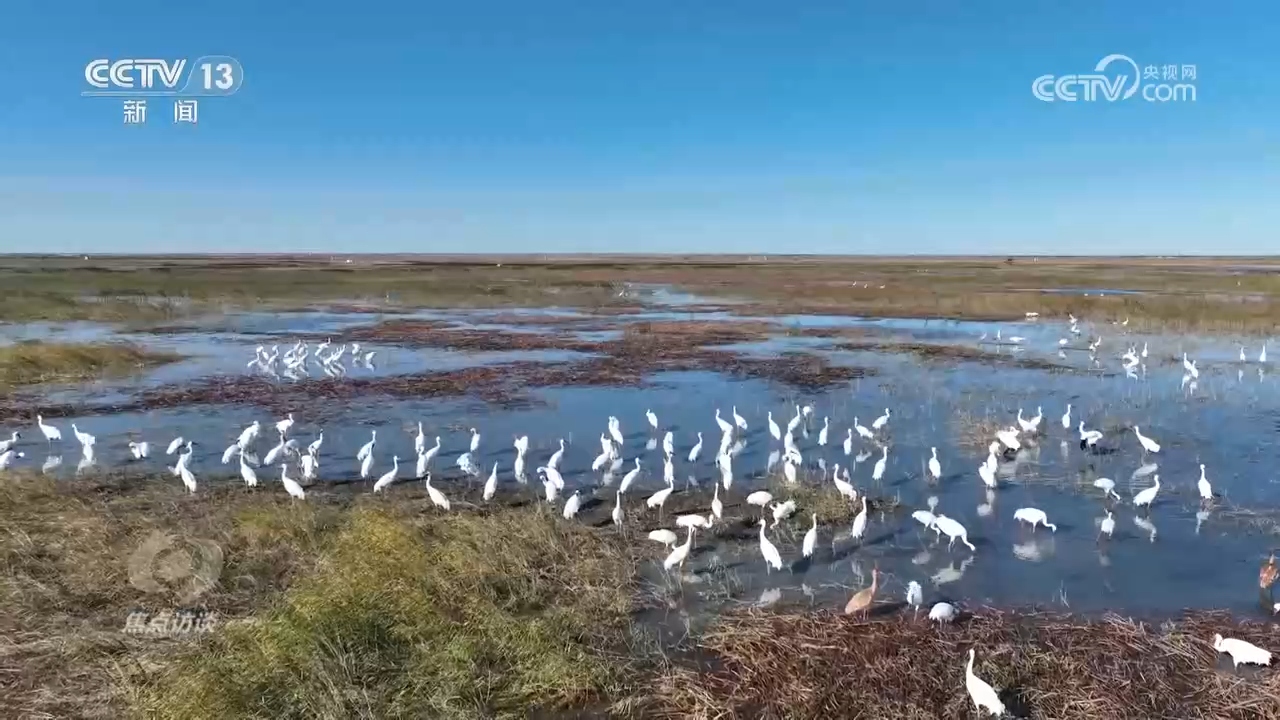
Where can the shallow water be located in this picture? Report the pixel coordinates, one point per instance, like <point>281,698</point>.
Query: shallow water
<point>1225,419</point>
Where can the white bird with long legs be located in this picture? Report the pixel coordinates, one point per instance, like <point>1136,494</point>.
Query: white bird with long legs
<point>772,558</point>
<point>1034,516</point>
<point>1147,496</point>
<point>1148,445</point>
<point>389,476</point>
<point>984,696</point>
<point>953,530</point>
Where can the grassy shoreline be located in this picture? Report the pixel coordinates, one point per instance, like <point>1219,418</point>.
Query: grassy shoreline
<point>351,604</point>
<point>35,362</point>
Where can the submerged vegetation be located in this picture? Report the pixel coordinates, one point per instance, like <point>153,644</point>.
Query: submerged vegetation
<point>31,363</point>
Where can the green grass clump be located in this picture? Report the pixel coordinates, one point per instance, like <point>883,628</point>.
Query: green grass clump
<point>461,616</point>
<point>31,363</point>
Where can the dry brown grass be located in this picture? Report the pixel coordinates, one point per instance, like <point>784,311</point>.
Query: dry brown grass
<point>772,665</point>
<point>30,363</point>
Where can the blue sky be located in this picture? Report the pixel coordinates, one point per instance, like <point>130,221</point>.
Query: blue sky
<point>657,126</point>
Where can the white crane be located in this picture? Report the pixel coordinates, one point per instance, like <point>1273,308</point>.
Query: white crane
<point>1148,445</point>
<point>984,696</point>
<point>679,554</point>
<point>810,538</point>
<point>772,560</point>
<point>1107,486</point>
<point>491,485</point>
<point>1206,490</point>
<point>571,506</point>
<point>859,522</point>
<point>1147,496</point>
<point>697,449</point>
<point>437,498</point>
<point>1241,651</point>
<point>1034,516</point>
<point>942,612</point>
<point>291,486</point>
<point>389,476</point>
<point>953,530</point>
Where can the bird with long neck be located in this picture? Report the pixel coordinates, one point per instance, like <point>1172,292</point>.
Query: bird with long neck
<point>1267,579</point>
<point>861,601</point>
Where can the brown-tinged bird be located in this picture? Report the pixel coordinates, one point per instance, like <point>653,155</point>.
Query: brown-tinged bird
<point>1267,575</point>
<point>861,601</point>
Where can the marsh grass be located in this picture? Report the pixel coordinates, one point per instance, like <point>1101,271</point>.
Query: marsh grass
<point>1211,295</point>
<point>31,363</point>
<point>816,495</point>
<point>345,606</point>
<point>764,664</point>
<point>974,432</point>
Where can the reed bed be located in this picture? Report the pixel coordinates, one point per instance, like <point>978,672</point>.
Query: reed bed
<point>765,664</point>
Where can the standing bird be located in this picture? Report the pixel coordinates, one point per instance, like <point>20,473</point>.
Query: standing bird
<point>822,434</point>
<point>984,696</point>
<point>367,448</point>
<point>1146,497</point>
<point>139,450</point>
<point>680,553</point>
<point>915,596</point>
<point>861,600</point>
<point>741,422</point>
<point>52,433</point>
<point>810,538</point>
<point>1148,445</point>
<point>1034,516</point>
<point>291,486</point>
<point>860,521</point>
<point>1206,491</point>
<point>437,498</point>
<point>877,472</point>
<point>1107,526</point>
<point>571,505</point>
<point>943,612</point>
<point>935,468</point>
<point>1267,576</point>
<point>1241,651</point>
<point>617,509</point>
<point>697,449</point>
<point>491,485</point>
<point>772,559</point>
<point>881,421</point>
<point>475,440</point>
<point>774,430</point>
<point>1066,418</point>
<point>653,419</point>
<point>389,476</point>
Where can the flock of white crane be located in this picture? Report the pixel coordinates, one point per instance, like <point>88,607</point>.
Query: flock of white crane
<point>610,460</point>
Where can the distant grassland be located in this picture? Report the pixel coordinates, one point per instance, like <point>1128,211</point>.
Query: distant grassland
<point>1241,295</point>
